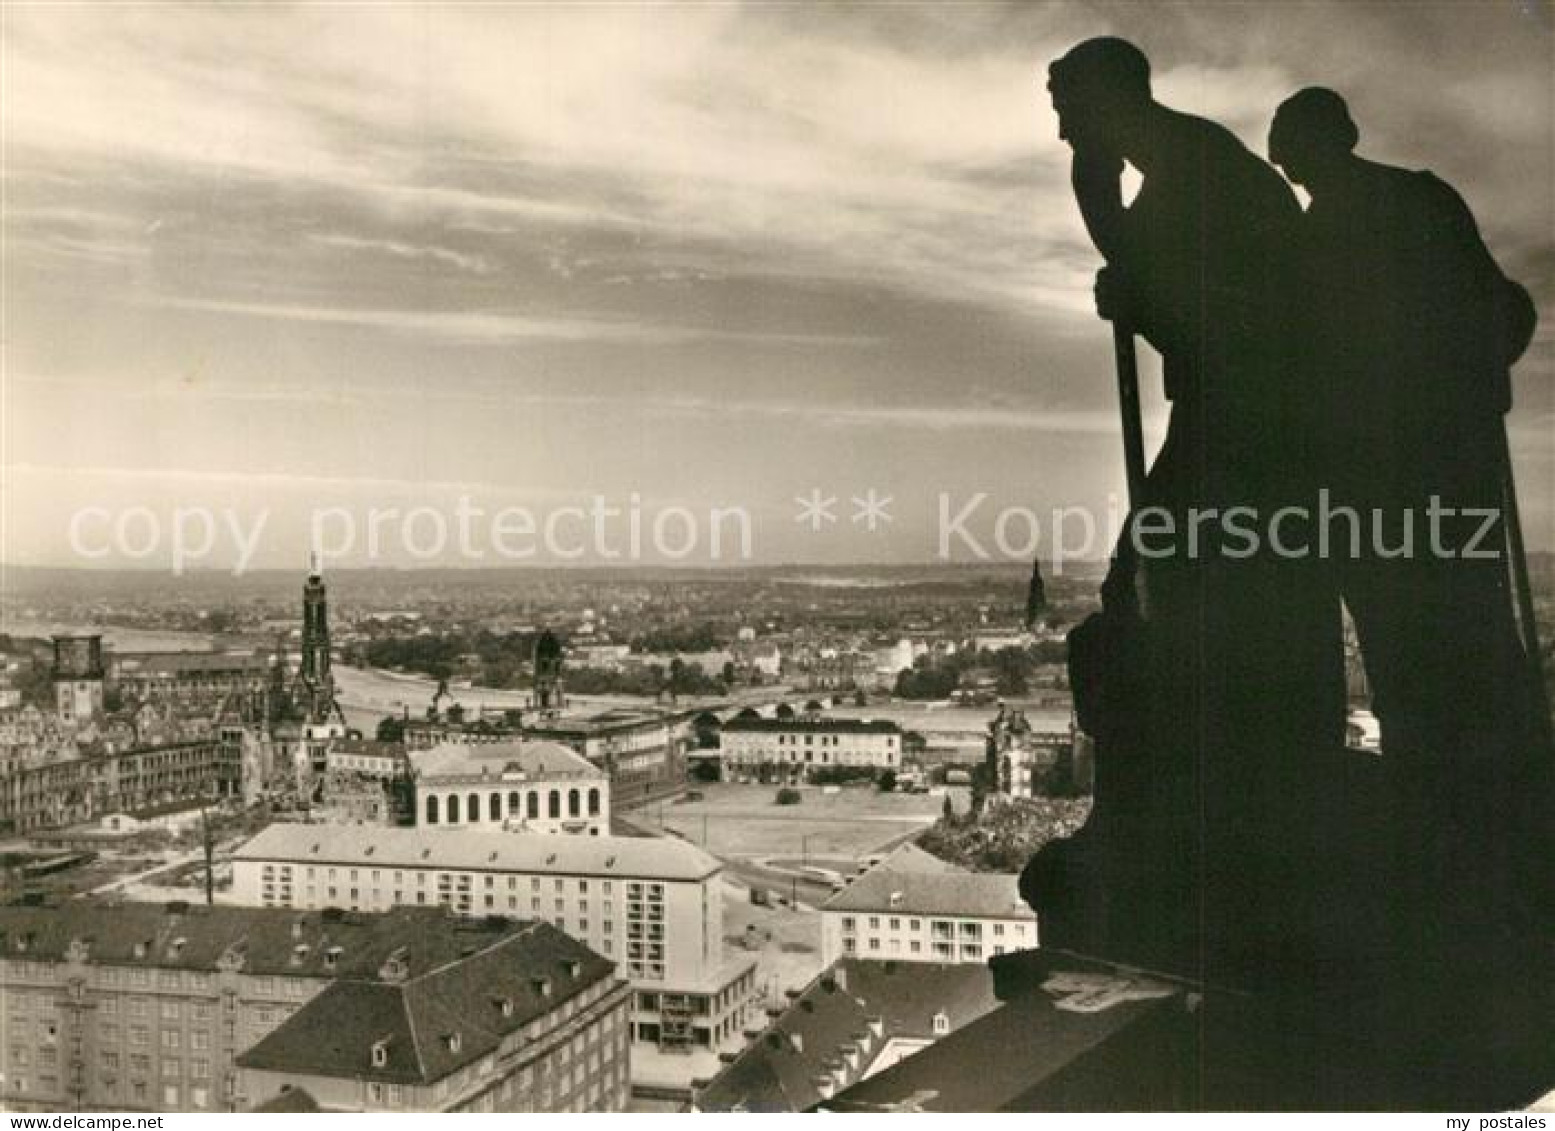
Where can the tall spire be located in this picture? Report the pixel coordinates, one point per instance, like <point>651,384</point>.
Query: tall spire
<point>317,684</point>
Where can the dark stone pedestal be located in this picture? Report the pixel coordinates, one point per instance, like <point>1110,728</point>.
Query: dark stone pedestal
<point>1077,1034</point>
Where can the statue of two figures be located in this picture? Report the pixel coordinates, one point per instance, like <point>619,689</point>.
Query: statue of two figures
<point>1337,379</point>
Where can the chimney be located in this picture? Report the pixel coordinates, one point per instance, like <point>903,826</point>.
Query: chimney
<point>877,1027</point>
<point>797,1040</point>
<point>840,976</point>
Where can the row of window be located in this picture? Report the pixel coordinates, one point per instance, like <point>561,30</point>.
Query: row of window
<point>448,808</point>
<point>285,872</point>
<point>945,950</point>
<point>942,928</point>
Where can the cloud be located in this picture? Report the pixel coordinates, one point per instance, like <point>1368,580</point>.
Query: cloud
<point>478,327</point>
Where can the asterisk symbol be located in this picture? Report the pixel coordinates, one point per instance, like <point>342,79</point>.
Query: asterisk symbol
<point>871,509</point>
<point>815,508</point>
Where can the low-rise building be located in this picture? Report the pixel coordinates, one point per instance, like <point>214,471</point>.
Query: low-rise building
<point>533,786</point>
<point>652,905</point>
<point>141,1007</point>
<point>796,748</point>
<point>903,911</point>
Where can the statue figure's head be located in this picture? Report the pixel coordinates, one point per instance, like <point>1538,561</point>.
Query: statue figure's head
<point>1100,89</point>
<point>1312,133</point>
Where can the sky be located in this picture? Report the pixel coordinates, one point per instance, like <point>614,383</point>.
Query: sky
<point>293,261</point>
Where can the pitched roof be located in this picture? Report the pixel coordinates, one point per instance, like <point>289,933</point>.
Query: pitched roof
<point>485,850</point>
<point>827,1029</point>
<point>908,857</point>
<point>435,1023</point>
<point>986,895</point>
<point>298,944</point>
<point>498,760</point>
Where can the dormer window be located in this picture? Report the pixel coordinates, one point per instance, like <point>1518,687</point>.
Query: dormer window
<point>542,986</point>
<point>140,949</point>
<point>332,957</point>
<point>941,1024</point>
<point>504,1005</point>
<point>178,946</point>
<point>299,954</point>
<point>380,1054</point>
<point>453,1042</point>
<point>574,967</point>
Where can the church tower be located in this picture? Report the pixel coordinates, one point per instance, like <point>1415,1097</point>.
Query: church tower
<point>315,683</point>
<point>548,660</point>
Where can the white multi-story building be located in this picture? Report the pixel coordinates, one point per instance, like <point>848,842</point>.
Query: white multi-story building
<point>800,746</point>
<point>652,905</point>
<point>529,786</point>
<point>903,911</point>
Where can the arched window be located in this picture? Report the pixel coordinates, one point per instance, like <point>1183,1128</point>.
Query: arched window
<point>574,803</point>
<point>555,807</point>
<point>432,809</point>
<point>453,808</point>
<point>473,813</point>
<point>494,807</point>
<point>532,805</point>
<point>593,803</point>
<point>514,804</point>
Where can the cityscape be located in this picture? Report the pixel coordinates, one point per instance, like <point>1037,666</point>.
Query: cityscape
<point>675,814</point>
<point>592,558</point>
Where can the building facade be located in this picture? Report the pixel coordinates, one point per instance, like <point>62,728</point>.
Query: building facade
<point>653,906</point>
<point>642,749</point>
<point>530,1022</point>
<point>141,1007</point>
<point>190,680</point>
<point>48,793</point>
<point>796,748</point>
<point>534,786</point>
<point>899,911</point>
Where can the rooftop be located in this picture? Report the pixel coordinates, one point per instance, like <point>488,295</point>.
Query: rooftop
<point>175,663</point>
<point>430,1024</point>
<point>656,858</point>
<point>981,895</point>
<point>298,944</point>
<point>838,1026</point>
<point>814,726</point>
<point>532,759</point>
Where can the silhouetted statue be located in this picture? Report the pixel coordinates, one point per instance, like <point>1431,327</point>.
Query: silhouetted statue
<point>1409,331</point>
<point>1209,698</point>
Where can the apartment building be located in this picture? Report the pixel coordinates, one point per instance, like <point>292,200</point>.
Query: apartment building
<point>651,905</point>
<point>146,1007</point>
